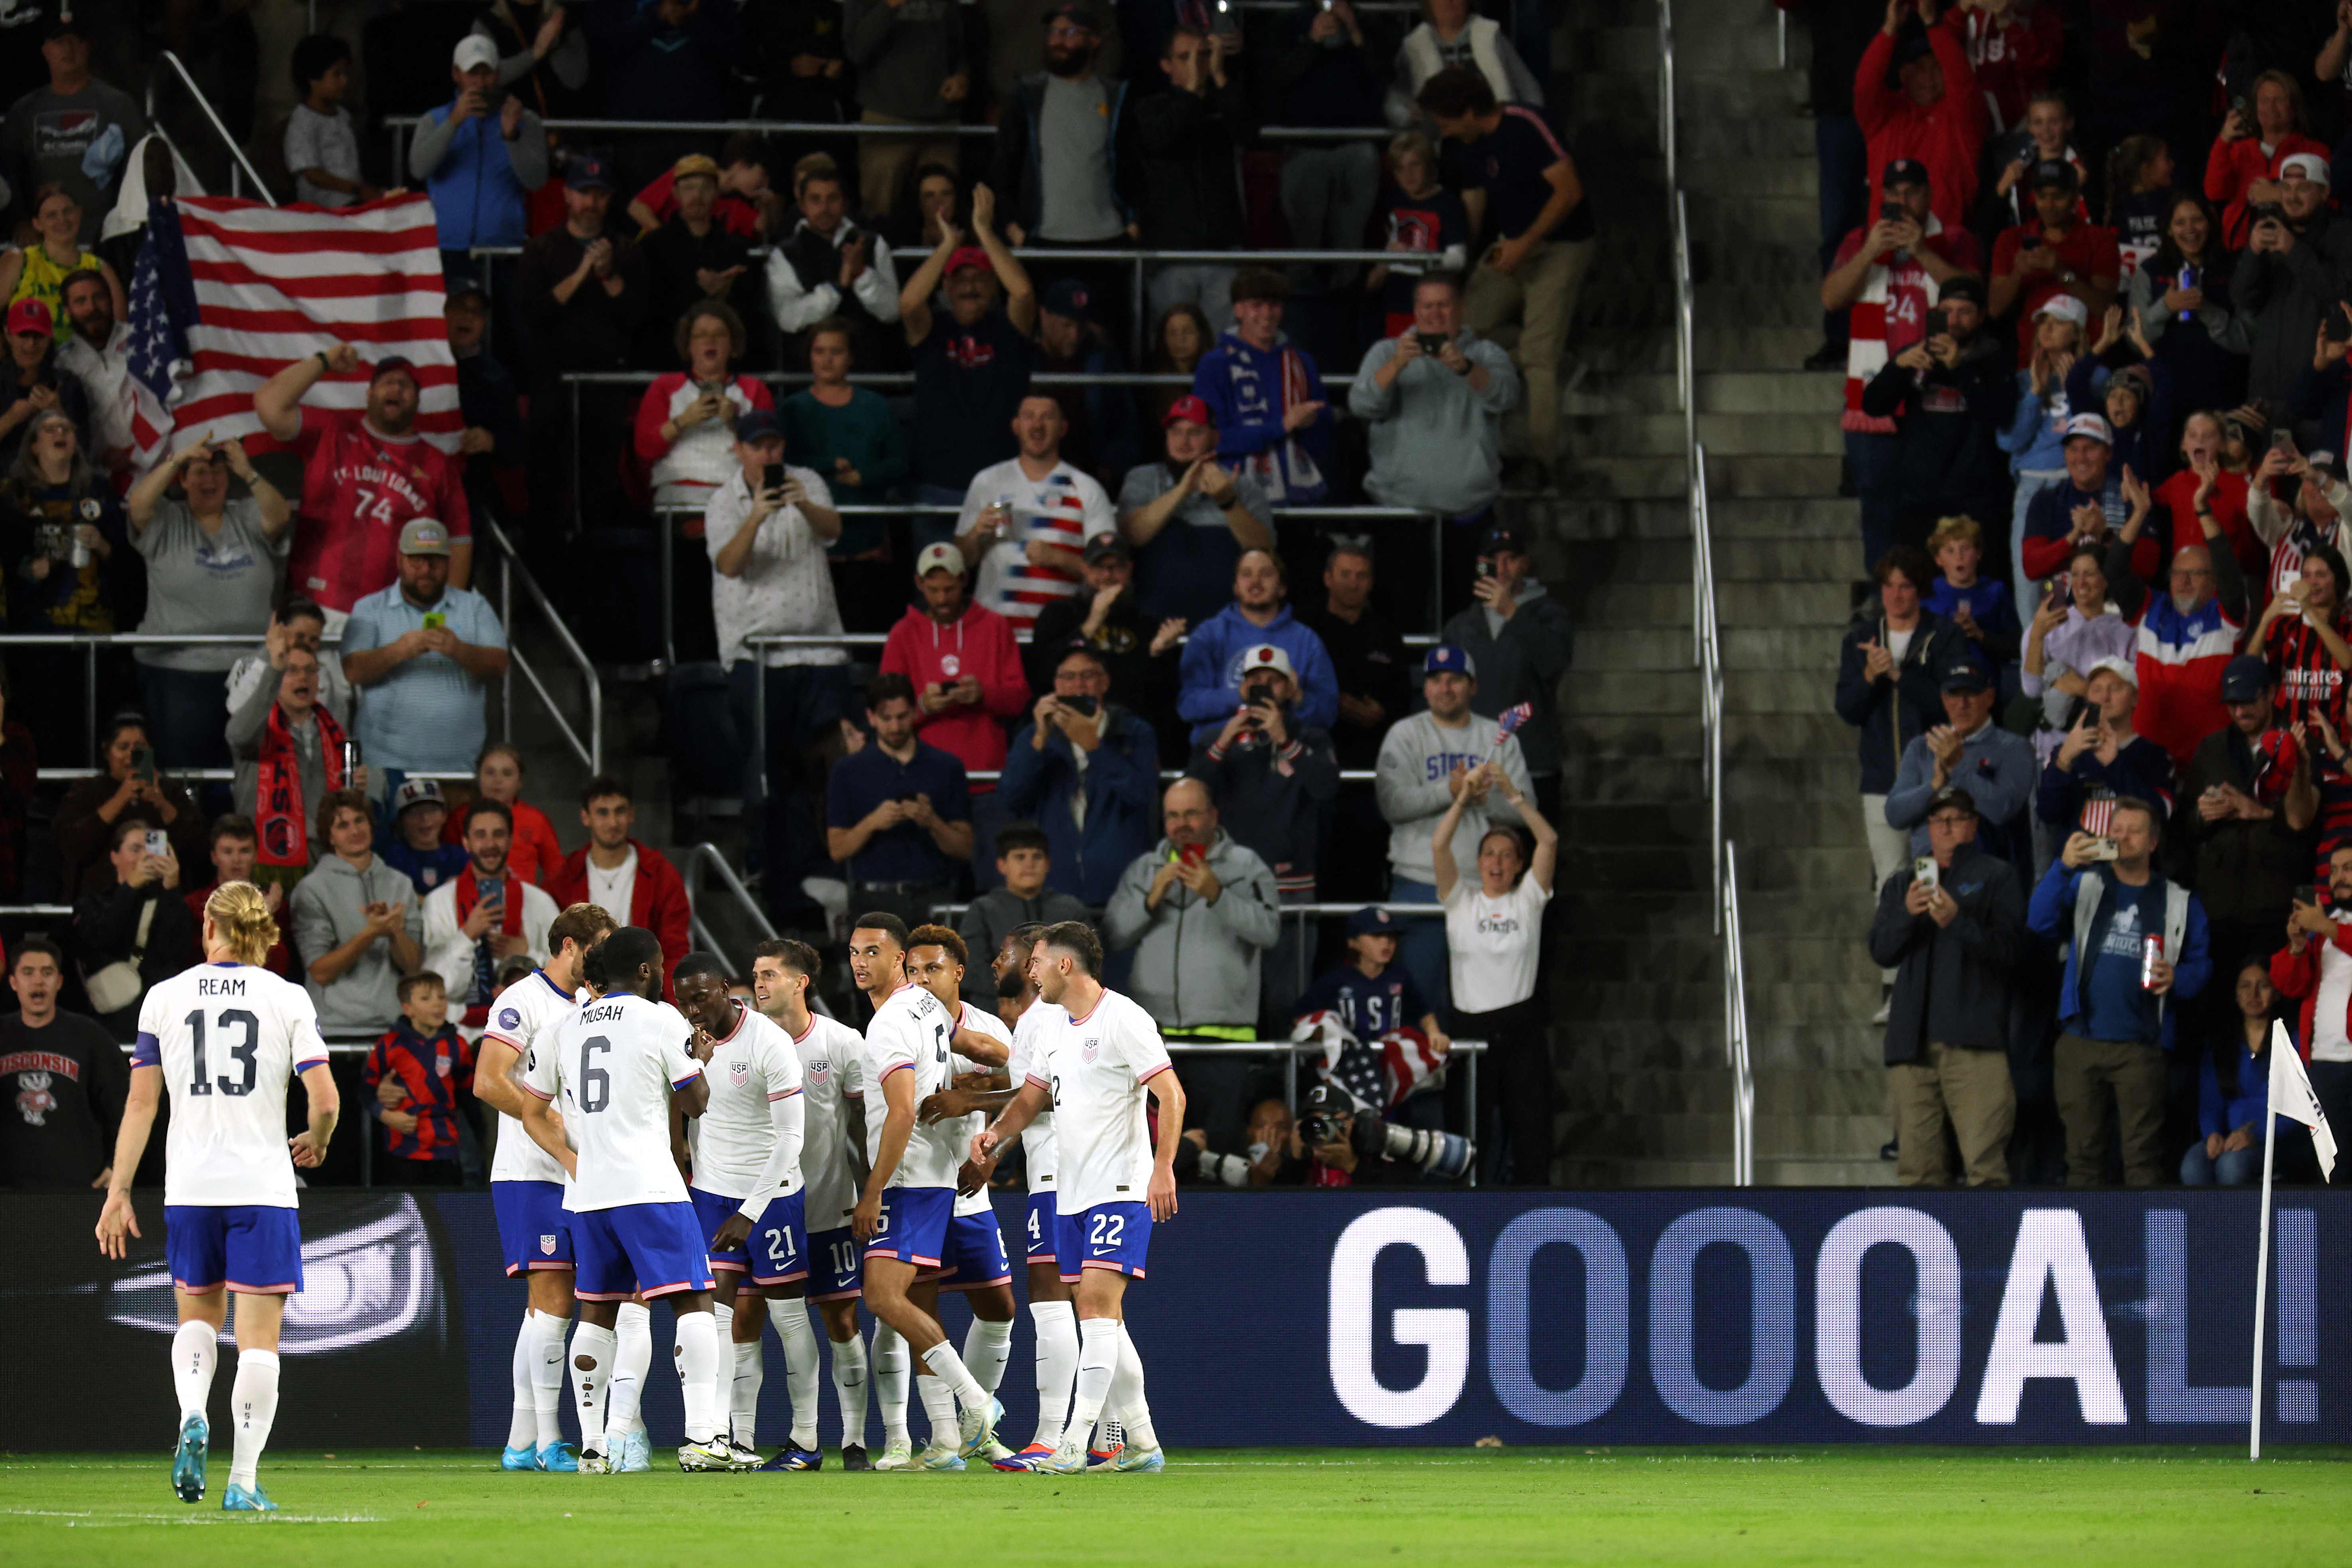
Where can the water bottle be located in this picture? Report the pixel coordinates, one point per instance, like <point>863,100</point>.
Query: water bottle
<point>2188,280</point>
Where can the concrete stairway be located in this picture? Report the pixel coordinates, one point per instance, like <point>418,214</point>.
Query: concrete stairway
<point>1639,1040</point>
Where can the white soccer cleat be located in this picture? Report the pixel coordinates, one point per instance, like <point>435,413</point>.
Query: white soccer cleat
<point>1133,1460</point>
<point>711,1454</point>
<point>940,1456</point>
<point>898,1455</point>
<point>636,1453</point>
<point>741,1457</point>
<point>1069,1459</point>
<point>593,1463</point>
<point>978,1426</point>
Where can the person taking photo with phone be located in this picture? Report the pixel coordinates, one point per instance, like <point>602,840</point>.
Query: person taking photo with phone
<point>2101,760</point>
<point>1433,400</point>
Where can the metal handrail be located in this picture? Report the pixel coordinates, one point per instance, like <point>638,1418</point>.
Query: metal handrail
<point>1736,1043</point>
<point>227,141</point>
<point>399,123</point>
<point>513,570</point>
<point>691,859</point>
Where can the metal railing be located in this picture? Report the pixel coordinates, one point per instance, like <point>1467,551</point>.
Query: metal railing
<point>237,159</point>
<point>512,571</point>
<point>1706,637</point>
<point>693,859</point>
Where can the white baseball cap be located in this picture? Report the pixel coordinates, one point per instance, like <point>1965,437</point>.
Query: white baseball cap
<point>1265,655</point>
<point>2091,426</point>
<point>472,50</point>
<point>2066,307</point>
<point>940,557</point>
<point>2310,165</point>
<point>2118,666</point>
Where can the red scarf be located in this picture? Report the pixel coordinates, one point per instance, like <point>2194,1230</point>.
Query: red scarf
<point>470,893</point>
<point>283,838</point>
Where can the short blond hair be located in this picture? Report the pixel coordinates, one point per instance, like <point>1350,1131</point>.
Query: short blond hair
<point>1956,531</point>
<point>240,916</point>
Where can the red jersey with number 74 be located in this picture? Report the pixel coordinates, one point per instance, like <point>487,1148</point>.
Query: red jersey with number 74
<point>359,489</point>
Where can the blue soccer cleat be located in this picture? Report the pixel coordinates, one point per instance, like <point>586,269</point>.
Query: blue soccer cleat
<point>636,1453</point>
<point>188,1459</point>
<point>1133,1460</point>
<point>236,1499</point>
<point>978,1429</point>
<point>940,1456</point>
<point>790,1459</point>
<point>1025,1459</point>
<point>555,1456</point>
<point>523,1458</point>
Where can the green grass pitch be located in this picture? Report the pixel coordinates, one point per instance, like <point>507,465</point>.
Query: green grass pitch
<point>1298,1507</point>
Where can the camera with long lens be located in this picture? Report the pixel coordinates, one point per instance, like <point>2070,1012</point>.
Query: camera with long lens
<point>1444,1155</point>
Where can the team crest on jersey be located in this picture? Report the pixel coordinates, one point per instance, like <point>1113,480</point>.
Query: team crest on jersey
<point>546,1243</point>
<point>1087,1051</point>
<point>509,1019</point>
<point>34,1100</point>
<point>819,1071</point>
<point>739,1073</point>
<point>951,665</point>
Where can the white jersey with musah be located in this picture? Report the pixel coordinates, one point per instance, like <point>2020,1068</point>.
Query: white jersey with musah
<point>961,1131</point>
<point>908,1033</point>
<point>828,1055</point>
<point>525,1014</point>
<point>613,1066</point>
<point>1037,1144</point>
<point>1098,1066</point>
<point>750,1069</point>
<point>227,1038</point>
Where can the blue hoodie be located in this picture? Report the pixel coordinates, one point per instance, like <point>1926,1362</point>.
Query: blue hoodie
<point>1244,388</point>
<point>1211,677</point>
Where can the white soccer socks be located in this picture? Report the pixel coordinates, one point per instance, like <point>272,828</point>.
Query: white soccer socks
<point>522,1424</point>
<point>546,1334</point>
<point>849,1379</point>
<point>1127,1394</point>
<point>1057,1366</point>
<point>948,1368</point>
<point>723,1371</point>
<point>1097,1362</point>
<point>803,1363</point>
<point>890,1365</point>
<point>196,1351</point>
<point>986,1348</point>
<point>593,1350</point>
<point>697,1367</point>
<point>749,1375</point>
<point>633,1357</point>
<point>253,1406</point>
<point>940,1408</point>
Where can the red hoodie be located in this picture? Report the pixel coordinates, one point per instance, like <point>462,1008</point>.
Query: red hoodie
<point>977,644</point>
<point>657,901</point>
<point>2234,165</point>
<point>1948,136</point>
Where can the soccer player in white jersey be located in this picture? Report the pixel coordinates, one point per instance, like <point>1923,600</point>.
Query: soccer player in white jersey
<point>527,1196</point>
<point>1093,1069</point>
<point>747,1180</point>
<point>974,1262</point>
<point>910,1193</point>
<point>222,1040</point>
<point>781,972</point>
<point>616,1063</point>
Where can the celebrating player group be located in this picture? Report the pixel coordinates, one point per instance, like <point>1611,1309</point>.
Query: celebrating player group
<point>736,1161</point>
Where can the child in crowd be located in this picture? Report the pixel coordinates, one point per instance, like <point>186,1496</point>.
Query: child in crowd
<point>321,148</point>
<point>498,775</point>
<point>422,1074</point>
<point>2139,197</point>
<point>1372,993</point>
<point>1421,218</point>
<point>1980,607</point>
<point>2048,136</point>
<point>1022,858</point>
<point>417,850</point>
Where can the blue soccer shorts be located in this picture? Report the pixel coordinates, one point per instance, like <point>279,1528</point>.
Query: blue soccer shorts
<point>255,1249</point>
<point>1043,1236</point>
<point>974,1259</point>
<point>836,1266</point>
<point>649,1249</point>
<point>1107,1235</point>
<point>779,1242</point>
<point>914,1226</point>
<point>710,1212</point>
<point>534,1231</point>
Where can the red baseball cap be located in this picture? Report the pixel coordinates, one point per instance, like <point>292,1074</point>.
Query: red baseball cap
<point>31,315</point>
<point>964,256</point>
<point>1190,409</point>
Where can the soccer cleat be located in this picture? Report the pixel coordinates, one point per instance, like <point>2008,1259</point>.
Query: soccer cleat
<point>792,1459</point>
<point>188,1459</point>
<point>993,1451</point>
<point>853,1457</point>
<point>557,1457</point>
<point>636,1454</point>
<point>237,1499</point>
<point>741,1456</point>
<point>593,1463</point>
<point>979,1428</point>
<point>712,1454</point>
<point>523,1458</point>
<point>1025,1460</point>
<point>1133,1460</point>
<point>1069,1459</point>
<point>938,1456</point>
<point>896,1454</point>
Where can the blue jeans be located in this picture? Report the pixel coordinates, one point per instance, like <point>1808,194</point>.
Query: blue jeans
<point>803,699</point>
<point>2235,1168</point>
<point>1423,949</point>
<point>1844,160</point>
<point>1873,460</point>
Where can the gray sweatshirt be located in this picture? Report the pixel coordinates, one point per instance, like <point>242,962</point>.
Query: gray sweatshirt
<point>248,722</point>
<point>1196,964</point>
<point>1410,784</point>
<point>1436,441</point>
<point>330,906</point>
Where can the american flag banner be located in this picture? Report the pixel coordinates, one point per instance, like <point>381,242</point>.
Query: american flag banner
<point>2097,815</point>
<point>1380,1075</point>
<point>1508,724</point>
<point>227,292</point>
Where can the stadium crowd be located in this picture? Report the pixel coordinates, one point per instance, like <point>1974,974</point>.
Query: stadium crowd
<point>2091,291</point>
<point>1090,582</point>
